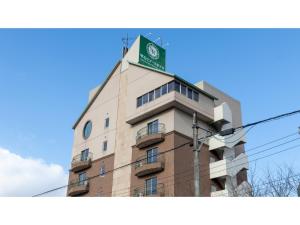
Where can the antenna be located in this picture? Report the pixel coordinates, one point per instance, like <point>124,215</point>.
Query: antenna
<point>166,44</point>
<point>149,34</point>
<point>157,39</point>
<point>125,44</point>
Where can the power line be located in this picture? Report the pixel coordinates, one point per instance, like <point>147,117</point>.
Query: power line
<point>271,142</point>
<point>189,171</point>
<point>207,136</point>
<point>118,168</point>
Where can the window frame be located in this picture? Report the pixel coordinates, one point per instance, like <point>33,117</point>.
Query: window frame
<point>190,91</point>
<point>162,89</point>
<point>85,137</point>
<point>151,93</point>
<point>152,155</point>
<point>151,186</point>
<point>81,180</point>
<point>157,92</point>
<point>106,122</point>
<point>139,101</point>
<point>84,155</point>
<point>102,171</point>
<point>104,144</point>
<point>153,127</point>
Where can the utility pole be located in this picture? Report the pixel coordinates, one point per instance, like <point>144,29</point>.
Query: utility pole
<point>298,190</point>
<point>196,156</point>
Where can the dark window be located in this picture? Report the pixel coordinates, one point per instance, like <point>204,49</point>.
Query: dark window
<point>106,123</point>
<point>153,127</point>
<point>196,96</point>
<point>145,98</point>
<point>183,89</point>
<point>171,86</point>
<point>102,171</point>
<point>104,146</point>
<point>82,178</point>
<point>190,93</point>
<point>157,92</point>
<point>152,155</point>
<point>87,130</point>
<point>151,96</point>
<point>139,101</point>
<point>84,155</point>
<point>151,186</point>
<point>164,89</point>
<point>177,86</point>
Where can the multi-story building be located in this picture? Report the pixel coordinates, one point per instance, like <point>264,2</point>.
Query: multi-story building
<point>134,136</point>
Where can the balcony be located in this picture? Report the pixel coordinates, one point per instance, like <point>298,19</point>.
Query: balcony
<point>80,163</point>
<point>146,137</point>
<point>78,188</point>
<point>145,166</point>
<point>222,115</point>
<point>222,193</point>
<point>222,142</point>
<point>204,108</point>
<point>142,192</point>
<point>228,167</point>
<point>243,190</point>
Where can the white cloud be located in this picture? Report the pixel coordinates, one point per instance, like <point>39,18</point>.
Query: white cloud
<point>26,176</point>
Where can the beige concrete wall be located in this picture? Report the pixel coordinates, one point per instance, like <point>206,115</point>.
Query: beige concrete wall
<point>141,81</point>
<point>234,104</point>
<point>183,124</point>
<point>134,82</point>
<point>105,105</point>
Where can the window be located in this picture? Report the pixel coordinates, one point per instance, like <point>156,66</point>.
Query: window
<point>87,130</point>
<point>145,98</point>
<point>102,171</point>
<point>164,89</point>
<point>139,102</point>
<point>153,127</point>
<point>152,155</point>
<point>82,178</point>
<point>171,86</point>
<point>84,155</point>
<point>106,124</point>
<point>196,96</point>
<point>177,86</point>
<point>190,93</point>
<point>104,146</point>
<point>151,186</point>
<point>151,96</point>
<point>183,89</point>
<point>157,92</point>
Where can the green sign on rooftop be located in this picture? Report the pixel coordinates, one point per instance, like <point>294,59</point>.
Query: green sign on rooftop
<point>151,54</point>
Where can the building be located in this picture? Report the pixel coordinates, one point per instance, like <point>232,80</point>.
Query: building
<point>133,138</point>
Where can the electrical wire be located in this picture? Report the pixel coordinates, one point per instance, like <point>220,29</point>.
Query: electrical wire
<point>129,164</point>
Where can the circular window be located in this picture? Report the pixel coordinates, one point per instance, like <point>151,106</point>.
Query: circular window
<point>87,130</point>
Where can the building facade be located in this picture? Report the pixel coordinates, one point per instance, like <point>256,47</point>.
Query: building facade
<point>134,136</point>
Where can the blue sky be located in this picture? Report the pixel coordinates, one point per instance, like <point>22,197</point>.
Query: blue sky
<point>45,77</point>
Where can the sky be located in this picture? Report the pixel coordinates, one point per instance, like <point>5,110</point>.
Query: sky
<point>46,75</point>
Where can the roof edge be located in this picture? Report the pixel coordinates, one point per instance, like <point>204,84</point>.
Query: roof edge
<point>176,77</point>
<point>96,95</point>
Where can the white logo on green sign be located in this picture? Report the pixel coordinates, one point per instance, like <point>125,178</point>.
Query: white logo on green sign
<point>152,51</point>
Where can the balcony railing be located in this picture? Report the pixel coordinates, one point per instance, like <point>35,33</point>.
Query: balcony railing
<point>148,165</point>
<point>77,187</point>
<point>81,162</point>
<point>148,136</point>
<point>159,191</point>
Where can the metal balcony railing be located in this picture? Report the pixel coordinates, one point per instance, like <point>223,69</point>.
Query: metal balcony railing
<point>159,191</point>
<point>146,131</point>
<point>78,187</point>
<point>82,158</point>
<point>144,160</point>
